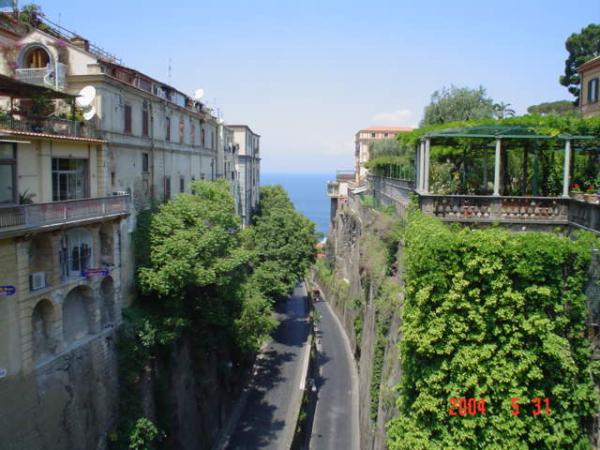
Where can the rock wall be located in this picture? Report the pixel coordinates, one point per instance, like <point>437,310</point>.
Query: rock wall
<point>68,403</point>
<point>189,394</point>
<point>359,276</point>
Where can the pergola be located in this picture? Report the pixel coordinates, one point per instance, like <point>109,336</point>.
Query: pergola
<point>499,133</point>
<point>9,87</point>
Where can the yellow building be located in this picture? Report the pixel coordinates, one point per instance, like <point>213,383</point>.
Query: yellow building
<point>60,261</point>
<point>589,74</point>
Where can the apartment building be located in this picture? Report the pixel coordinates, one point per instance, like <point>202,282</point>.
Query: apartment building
<point>61,241</point>
<point>589,74</point>
<point>363,140</point>
<point>247,144</point>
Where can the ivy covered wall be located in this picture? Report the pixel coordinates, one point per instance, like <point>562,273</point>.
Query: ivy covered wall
<point>500,317</point>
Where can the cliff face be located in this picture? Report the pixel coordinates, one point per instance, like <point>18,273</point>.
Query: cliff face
<point>67,403</point>
<point>363,277</point>
<point>364,289</point>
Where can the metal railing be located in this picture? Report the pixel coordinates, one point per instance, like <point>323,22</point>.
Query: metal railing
<point>48,125</point>
<point>50,76</point>
<point>37,215</point>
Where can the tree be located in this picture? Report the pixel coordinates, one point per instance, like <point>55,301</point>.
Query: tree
<point>282,241</point>
<point>503,110</point>
<point>456,104</point>
<point>582,47</point>
<point>558,107</point>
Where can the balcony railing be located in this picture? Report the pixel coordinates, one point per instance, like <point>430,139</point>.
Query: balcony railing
<point>38,215</point>
<point>48,125</point>
<point>46,76</point>
<point>476,208</point>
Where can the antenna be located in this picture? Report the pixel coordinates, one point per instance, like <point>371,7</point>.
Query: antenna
<point>169,71</point>
<point>84,101</point>
<point>198,94</point>
<point>90,113</point>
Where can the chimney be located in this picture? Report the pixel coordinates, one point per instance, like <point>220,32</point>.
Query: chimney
<point>80,42</point>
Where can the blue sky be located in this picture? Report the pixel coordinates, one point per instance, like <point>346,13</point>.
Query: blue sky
<point>306,75</point>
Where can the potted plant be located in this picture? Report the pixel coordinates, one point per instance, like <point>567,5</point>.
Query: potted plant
<point>576,192</point>
<point>590,195</point>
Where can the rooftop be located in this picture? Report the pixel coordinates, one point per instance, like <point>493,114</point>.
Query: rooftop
<point>594,62</point>
<point>388,129</point>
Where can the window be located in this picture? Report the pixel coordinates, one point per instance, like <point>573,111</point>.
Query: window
<point>8,164</point>
<point>593,90</point>
<point>182,184</point>
<point>385,135</point>
<point>76,252</point>
<point>145,120</point>
<point>181,130</point>
<point>127,115</point>
<point>68,179</point>
<point>203,137</point>
<point>193,133</point>
<point>145,163</point>
<point>112,178</point>
<point>168,128</point>
<point>167,188</point>
<point>36,58</point>
<point>372,135</point>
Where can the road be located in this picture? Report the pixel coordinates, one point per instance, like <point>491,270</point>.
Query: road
<point>335,423</point>
<point>268,419</point>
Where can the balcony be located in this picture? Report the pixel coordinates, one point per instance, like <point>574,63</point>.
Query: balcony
<point>48,125</point>
<point>15,220</point>
<point>46,76</point>
<point>500,209</point>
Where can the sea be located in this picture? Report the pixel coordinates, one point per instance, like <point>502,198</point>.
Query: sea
<point>308,192</point>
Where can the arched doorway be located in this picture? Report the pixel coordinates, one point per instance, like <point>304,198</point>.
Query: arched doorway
<point>77,314</point>
<point>35,58</point>
<point>44,343</point>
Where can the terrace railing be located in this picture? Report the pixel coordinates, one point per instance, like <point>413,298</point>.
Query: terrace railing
<point>46,76</point>
<point>488,208</point>
<point>48,125</point>
<point>38,215</point>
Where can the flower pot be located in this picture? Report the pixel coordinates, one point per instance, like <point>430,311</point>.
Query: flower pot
<point>594,199</point>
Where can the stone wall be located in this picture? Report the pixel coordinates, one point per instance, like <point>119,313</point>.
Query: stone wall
<point>67,403</point>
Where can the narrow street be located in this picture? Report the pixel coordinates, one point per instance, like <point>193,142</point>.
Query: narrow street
<point>335,424</point>
<point>269,418</point>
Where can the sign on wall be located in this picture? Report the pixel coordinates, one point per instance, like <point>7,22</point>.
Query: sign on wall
<point>7,290</point>
<point>100,271</point>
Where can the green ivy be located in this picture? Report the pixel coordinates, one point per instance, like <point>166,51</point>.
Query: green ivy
<point>493,315</point>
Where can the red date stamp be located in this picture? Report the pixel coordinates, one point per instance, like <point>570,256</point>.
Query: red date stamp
<point>464,406</point>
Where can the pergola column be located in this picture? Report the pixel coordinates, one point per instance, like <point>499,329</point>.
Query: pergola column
<point>420,164</point>
<point>426,165</point>
<point>566,168</point>
<point>497,160</point>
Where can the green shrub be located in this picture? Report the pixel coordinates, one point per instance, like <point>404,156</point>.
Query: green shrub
<point>493,315</point>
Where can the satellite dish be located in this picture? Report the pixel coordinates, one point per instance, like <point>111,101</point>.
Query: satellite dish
<point>198,94</point>
<point>89,113</point>
<point>86,96</point>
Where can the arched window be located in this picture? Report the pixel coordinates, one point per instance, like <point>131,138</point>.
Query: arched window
<point>76,252</point>
<point>77,314</point>
<point>35,58</point>
<point>41,325</point>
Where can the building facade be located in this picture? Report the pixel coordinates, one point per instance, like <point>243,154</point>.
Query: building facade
<point>247,145</point>
<point>61,260</point>
<point>589,74</point>
<point>363,140</point>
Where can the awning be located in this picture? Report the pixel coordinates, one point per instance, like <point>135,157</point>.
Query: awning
<point>9,87</point>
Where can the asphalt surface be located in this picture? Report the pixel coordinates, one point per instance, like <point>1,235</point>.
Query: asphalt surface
<point>335,424</point>
<point>268,419</point>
